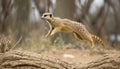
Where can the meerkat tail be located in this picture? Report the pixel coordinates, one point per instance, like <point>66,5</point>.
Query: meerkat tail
<point>98,39</point>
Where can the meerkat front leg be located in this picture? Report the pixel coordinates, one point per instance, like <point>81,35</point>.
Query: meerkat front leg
<point>49,32</point>
<point>55,30</point>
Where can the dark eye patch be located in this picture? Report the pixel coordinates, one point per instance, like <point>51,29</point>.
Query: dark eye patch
<point>45,15</point>
<point>50,15</point>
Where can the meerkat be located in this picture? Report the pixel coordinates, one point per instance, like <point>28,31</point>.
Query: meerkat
<point>78,29</point>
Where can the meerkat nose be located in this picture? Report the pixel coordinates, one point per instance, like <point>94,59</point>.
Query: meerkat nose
<point>42,17</point>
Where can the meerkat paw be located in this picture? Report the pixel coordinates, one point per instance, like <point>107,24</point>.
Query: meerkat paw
<point>92,47</point>
<point>46,36</point>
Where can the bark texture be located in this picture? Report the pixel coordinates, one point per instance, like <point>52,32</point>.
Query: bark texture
<point>29,60</point>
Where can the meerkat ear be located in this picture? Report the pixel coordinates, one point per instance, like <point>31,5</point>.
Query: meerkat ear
<point>51,15</point>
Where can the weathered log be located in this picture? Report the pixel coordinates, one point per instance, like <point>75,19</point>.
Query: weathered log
<point>29,60</point>
<point>108,61</point>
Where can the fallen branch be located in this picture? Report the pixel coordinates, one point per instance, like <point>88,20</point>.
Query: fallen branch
<point>29,60</point>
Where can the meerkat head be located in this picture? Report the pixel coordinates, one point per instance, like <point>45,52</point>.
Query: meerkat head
<point>47,16</point>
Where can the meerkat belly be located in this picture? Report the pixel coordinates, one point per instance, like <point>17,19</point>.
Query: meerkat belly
<point>67,29</point>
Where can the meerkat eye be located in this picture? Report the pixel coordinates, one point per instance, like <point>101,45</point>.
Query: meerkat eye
<point>50,15</point>
<point>45,15</point>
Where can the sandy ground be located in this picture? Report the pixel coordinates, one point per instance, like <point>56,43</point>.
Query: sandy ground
<point>76,55</point>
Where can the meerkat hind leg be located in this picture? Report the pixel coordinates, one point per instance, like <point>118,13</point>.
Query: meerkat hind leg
<point>90,41</point>
<point>77,36</point>
<point>91,44</point>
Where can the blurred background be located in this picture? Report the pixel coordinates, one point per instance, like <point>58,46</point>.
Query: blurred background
<point>21,23</point>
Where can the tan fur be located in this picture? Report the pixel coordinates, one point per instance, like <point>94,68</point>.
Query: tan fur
<point>98,39</point>
<point>80,32</point>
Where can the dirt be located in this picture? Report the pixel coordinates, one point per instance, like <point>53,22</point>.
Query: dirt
<point>79,56</point>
